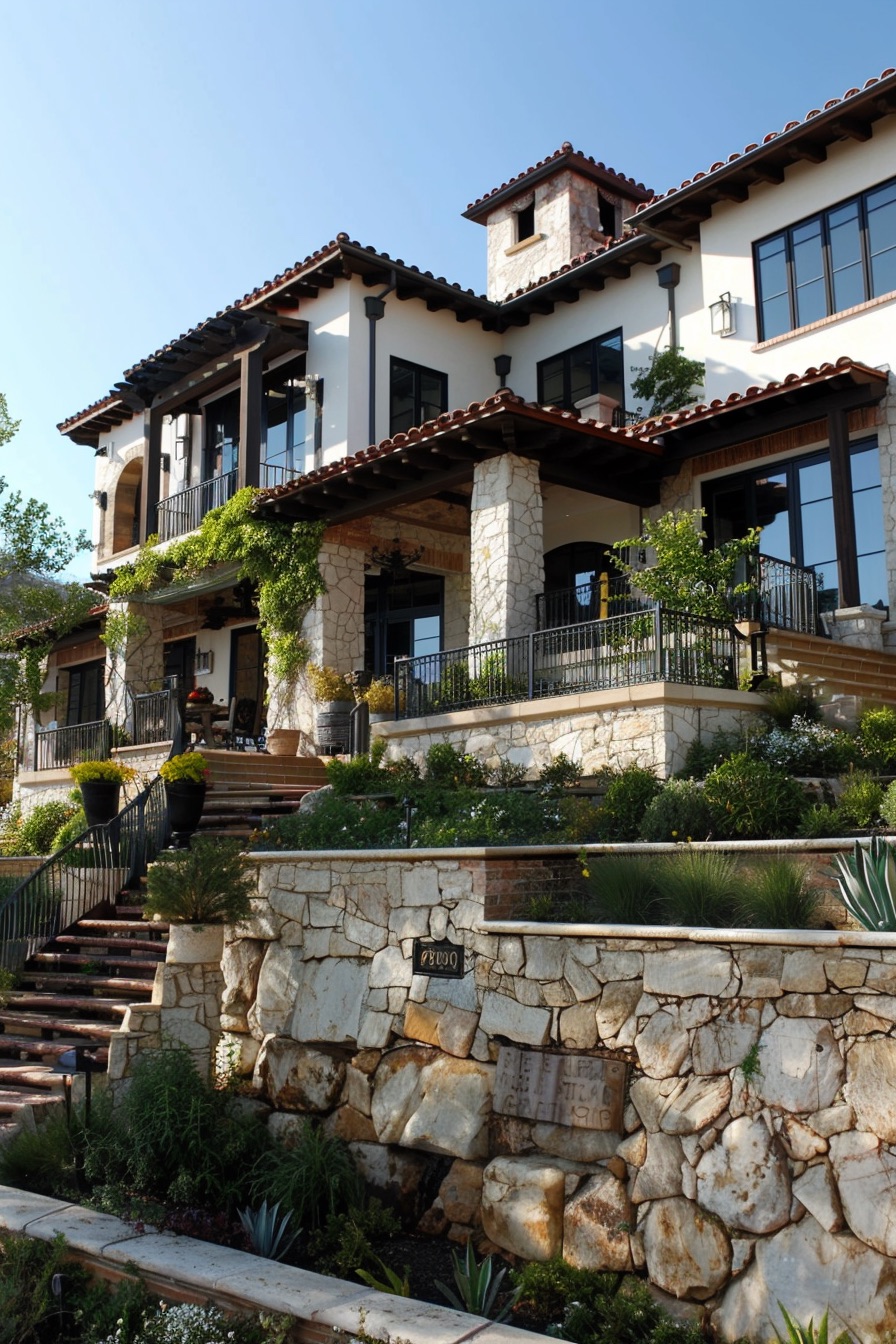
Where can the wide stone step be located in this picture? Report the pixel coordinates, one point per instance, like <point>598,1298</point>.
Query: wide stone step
<point>37,980</point>
<point>13,1046</point>
<point>116,927</point>
<point>56,1025</point>
<point>107,963</point>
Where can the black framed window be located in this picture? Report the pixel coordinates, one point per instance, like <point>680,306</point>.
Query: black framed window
<point>283,424</point>
<point>593,366</point>
<point>525,222</point>
<point>403,618</point>
<point>828,263</point>
<point>416,395</point>
<point>86,693</point>
<point>793,504</point>
<point>222,436</point>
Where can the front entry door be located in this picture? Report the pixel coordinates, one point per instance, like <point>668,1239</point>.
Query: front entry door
<point>403,616</point>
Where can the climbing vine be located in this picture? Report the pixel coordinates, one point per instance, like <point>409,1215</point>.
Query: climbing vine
<point>278,558</point>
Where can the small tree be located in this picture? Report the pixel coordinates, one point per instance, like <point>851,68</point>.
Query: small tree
<point>670,380</point>
<point>685,575</point>
<point>35,607</point>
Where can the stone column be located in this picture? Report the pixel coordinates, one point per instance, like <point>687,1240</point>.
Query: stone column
<point>333,631</point>
<point>138,662</point>
<point>862,627</point>
<point>506,548</point>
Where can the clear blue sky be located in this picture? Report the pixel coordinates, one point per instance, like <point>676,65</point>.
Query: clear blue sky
<point>162,158</point>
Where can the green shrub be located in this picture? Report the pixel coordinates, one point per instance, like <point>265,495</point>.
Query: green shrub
<point>101,1310</point>
<point>629,793</point>
<point>46,1160</point>
<point>560,773</point>
<point>507,775</point>
<point>807,748</point>
<point>505,817</point>
<point>888,805</point>
<point>361,774</point>
<point>783,704</point>
<point>590,1306</point>
<point>621,889</point>
<point>335,823</point>
<point>347,1240</point>
<point>454,686</point>
<point>778,895</point>
<point>822,821</point>
<point>314,1178</point>
<point>752,800</point>
<point>861,797</point>
<point>205,884</point>
<point>447,766</point>
<point>698,889</point>
<point>877,736</point>
<point>680,812</point>
<point>38,830</point>
<point>27,1268</point>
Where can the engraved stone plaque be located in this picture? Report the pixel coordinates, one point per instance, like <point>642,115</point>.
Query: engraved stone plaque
<point>578,1090</point>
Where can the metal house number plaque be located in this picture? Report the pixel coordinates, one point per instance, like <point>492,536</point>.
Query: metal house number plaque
<point>444,960</point>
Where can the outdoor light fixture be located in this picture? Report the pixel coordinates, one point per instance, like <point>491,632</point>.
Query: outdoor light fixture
<point>397,560</point>
<point>502,367</point>
<point>81,1059</point>
<point>721,314</point>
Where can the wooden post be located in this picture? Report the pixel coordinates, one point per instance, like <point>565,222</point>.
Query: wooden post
<point>152,472</point>
<point>844,518</point>
<point>249,464</point>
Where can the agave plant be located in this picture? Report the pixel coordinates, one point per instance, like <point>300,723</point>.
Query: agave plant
<point>867,886</point>
<point>478,1286</point>
<point>807,1334</point>
<point>268,1232</point>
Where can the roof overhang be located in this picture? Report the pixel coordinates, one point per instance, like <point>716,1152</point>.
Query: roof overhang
<point>678,215</point>
<point>565,159</point>
<point>442,455</point>
<point>798,400</point>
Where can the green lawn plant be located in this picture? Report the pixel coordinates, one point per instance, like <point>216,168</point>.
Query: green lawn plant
<point>888,805</point>
<point>312,1177</point>
<point>479,1287</point>
<point>205,884</point>
<point>344,1243</point>
<point>866,884</point>
<point>778,894</point>
<point>621,889</point>
<point>698,888</point>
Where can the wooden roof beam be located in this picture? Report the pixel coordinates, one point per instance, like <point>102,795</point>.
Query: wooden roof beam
<point>808,151</point>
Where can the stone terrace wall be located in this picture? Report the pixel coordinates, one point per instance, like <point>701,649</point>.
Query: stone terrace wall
<point>756,1160</point>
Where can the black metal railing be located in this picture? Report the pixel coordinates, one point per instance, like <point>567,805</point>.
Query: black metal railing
<point>156,715</point>
<point>183,512</point>
<point>89,872</point>
<point>622,419</point>
<point>785,596</point>
<point>652,644</point>
<point>69,745</point>
<point>272,475</point>
<point>605,595</point>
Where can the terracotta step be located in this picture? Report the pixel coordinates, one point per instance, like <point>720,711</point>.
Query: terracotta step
<point>40,1077</point>
<point>116,926</point>
<point>64,1003</point>
<point>34,1047</point>
<point>17,1099</point>
<point>111,944</point>
<point>119,984</point>
<point>72,959</point>
<point>73,1027</point>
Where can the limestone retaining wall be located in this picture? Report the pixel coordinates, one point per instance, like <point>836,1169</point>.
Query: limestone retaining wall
<point>756,1156</point>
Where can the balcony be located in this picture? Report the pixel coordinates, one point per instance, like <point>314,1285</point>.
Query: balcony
<point>647,645</point>
<point>182,513</point>
<point>55,747</point>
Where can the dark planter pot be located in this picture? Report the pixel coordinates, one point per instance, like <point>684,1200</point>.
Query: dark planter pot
<point>185,803</point>
<point>99,798</point>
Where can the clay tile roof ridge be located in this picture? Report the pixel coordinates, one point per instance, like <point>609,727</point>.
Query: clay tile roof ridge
<point>766,140</point>
<point>565,148</point>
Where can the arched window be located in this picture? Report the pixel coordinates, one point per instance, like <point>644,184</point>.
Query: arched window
<point>126,518</point>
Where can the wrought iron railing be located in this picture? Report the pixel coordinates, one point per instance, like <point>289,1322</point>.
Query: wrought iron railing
<point>606,595</point>
<point>183,512</point>
<point>642,646</point>
<point>783,595</point>
<point>622,419</point>
<point>272,475</point>
<point>90,871</point>
<point>69,745</point>
<point>156,716</point>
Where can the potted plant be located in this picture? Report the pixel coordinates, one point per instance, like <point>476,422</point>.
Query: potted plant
<point>380,697</point>
<point>184,780</point>
<point>332,692</point>
<point>100,784</point>
<point>198,890</point>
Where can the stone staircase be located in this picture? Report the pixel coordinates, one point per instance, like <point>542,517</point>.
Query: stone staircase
<point>74,992</point>
<point>247,789</point>
<point>839,669</point>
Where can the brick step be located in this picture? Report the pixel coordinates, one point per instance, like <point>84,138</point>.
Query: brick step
<point>119,984</point>
<point>30,1002</point>
<point>117,926</point>
<point>111,944</point>
<point>73,959</point>
<point>34,1047</point>
<point>59,1026</point>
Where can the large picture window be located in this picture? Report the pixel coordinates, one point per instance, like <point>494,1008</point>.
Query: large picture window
<point>283,425</point>
<point>415,395</point>
<point>594,366</point>
<point>222,436</point>
<point>828,263</point>
<point>793,504</point>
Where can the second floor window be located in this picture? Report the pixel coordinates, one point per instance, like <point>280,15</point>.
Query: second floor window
<point>594,366</point>
<point>415,395</point>
<point>283,427</point>
<point>828,263</point>
<point>222,436</point>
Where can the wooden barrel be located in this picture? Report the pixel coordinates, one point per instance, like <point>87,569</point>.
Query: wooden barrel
<point>332,730</point>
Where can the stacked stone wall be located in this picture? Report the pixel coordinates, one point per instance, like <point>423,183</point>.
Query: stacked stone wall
<point>755,1159</point>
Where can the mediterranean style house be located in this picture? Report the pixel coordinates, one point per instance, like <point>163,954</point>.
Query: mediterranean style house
<point>474,458</point>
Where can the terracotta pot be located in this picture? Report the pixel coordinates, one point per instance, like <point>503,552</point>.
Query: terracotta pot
<point>284,741</point>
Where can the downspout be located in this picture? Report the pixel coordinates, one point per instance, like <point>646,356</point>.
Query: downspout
<point>668,277</point>
<point>375,308</point>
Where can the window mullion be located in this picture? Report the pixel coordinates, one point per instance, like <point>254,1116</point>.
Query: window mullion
<point>865,244</point>
<point>827,264</point>
<point>791,278</point>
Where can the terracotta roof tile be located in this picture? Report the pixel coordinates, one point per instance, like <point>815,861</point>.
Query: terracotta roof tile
<point>656,425</point>
<point>103,404</point>
<point>565,151</point>
<point>766,140</point>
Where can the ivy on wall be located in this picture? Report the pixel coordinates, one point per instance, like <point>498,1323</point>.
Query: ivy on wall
<point>278,558</point>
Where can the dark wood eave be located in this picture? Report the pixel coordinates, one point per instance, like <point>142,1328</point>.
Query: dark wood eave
<point>784,406</point>
<point>442,455</point>
<point>678,215</point>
